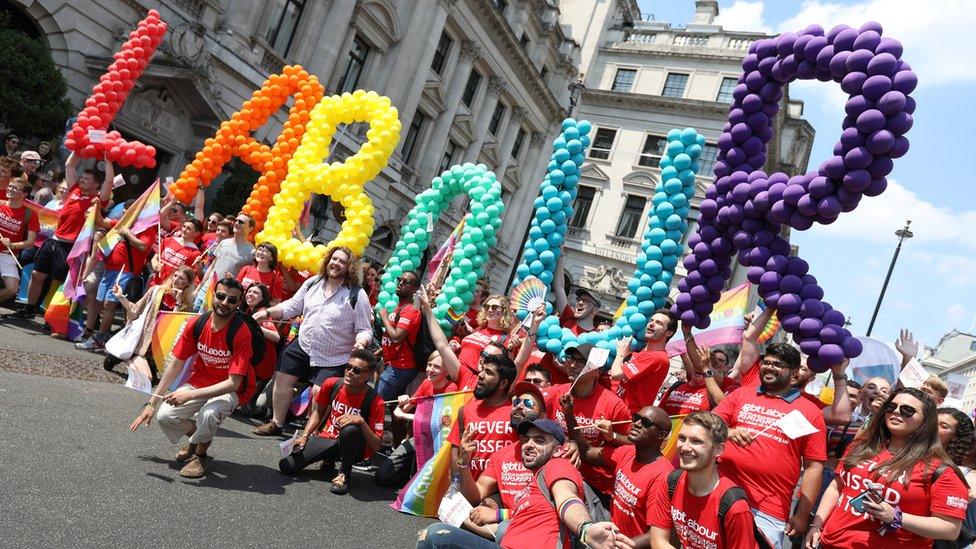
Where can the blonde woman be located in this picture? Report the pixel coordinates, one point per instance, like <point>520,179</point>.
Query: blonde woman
<point>495,321</point>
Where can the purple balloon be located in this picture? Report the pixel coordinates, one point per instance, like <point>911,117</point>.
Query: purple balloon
<point>830,353</point>
<point>791,284</point>
<point>853,83</point>
<point>830,334</point>
<point>699,294</point>
<point>858,60</point>
<point>889,45</point>
<point>883,63</point>
<point>857,180</point>
<point>892,102</point>
<point>812,308</point>
<point>852,347</point>
<point>809,347</point>
<point>904,81</point>
<point>870,121</point>
<point>811,291</point>
<point>834,317</point>
<point>880,142</point>
<point>810,327</point>
<point>875,86</point>
<point>858,158</point>
<point>792,324</point>
<point>899,123</point>
<point>872,26</point>
<point>868,40</point>
<point>789,303</point>
<point>844,40</point>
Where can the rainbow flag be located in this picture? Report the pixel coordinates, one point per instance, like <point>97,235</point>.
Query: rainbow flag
<point>771,327</point>
<point>47,217</point>
<point>728,322</point>
<point>149,215</point>
<point>78,256</point>
<point>433,420</point>
<point>64,315</point>
<point>169,326</point>
<point>670,447</point>
<point>446,250</point>
<point>132,215</point>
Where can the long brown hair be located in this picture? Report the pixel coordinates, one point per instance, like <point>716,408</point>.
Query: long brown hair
<point>187,294</point>
<point>507,321</point>
<point>922,446</point>
<point>352,275</point>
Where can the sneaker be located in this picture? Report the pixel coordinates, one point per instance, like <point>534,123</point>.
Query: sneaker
<point>365,466</point>
<point>269,429</point>
<point>185,453</point>
<point>339,485</point>
<point>90,344</point>
<point>27,313</point>
<point>195,467</point>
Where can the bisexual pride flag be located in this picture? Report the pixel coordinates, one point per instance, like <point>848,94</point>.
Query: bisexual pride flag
<point>433,420</point>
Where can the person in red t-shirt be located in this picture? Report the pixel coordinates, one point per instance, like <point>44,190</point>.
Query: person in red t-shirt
<point>347,435</point>
<point>258,298</point>
<point>210,236</point>
<point>14,235</point>
<point>641,377</point>
<point>52,258</point>
<point>691,511</point>
<point>763,460</point>
<point>399,337</point>
<point>638,465</point>
<point>592,403</point>
<point>915,494</point>
<point>540,512</point>
<point>746,367</point>
<point>221,377</point>
<point>264,270</point>
<point>705,388</point>
<point>494,324</point>
<point>178,250</point>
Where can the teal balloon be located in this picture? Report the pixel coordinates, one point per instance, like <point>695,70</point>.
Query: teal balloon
<point>457,303</point>
<point>682,161</point>
<point>536,267</point>
<point>675,148</point>
<point>555,240</point>
<point>477,234</point>
<point>673,222</point>
<point>571,133</point>
<point>659,289</point>
<point>646,307</point>
<point>643,293</point>
<point>689,136</point>
<point>655,236</point>
<point>559,218</point>
<point>663,210</point>
<point>668,246</point>
<point>673,185</point>
<point>574,146</point>
<point>547,257</point>
<point>554,346</point>
<point>547,226</point>
<point>636,321</point>
<point>653,267</point>
<point>584,127</point>
<point>554,204</point>
<point>673,134</point>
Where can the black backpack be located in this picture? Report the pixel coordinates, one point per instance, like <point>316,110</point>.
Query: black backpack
<point>258,343</point>
<point>334,392</point>
<point>423,345</point>
<point>729,498</point>
<point>593,504</point>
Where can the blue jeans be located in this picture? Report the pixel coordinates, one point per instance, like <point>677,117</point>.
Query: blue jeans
<point>445,536</point>
<point>393,381</point>
<point>773,528</point>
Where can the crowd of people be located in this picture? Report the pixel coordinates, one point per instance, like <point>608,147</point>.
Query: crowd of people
<point>548,452</point>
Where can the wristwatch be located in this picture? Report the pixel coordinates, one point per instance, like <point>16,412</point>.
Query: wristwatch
<point>461,465</point>
<point>708,373</point>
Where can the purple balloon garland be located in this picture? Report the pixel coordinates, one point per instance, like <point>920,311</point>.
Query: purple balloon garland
<point>744,210</point>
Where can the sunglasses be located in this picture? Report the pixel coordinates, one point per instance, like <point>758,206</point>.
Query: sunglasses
<point>355,370</point>
<point>229,299</point>
<point>775,364</point>
<point>213,221</point>
<point>535,380</point>
<point>526,403</point>
<point>646,423</point>
<point>493,307</point>
<point>903,410</point>
<point>488,357</point>
<point>409,281</point>
<point>239,221</point>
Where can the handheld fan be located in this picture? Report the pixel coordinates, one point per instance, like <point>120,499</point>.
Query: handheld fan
<point>528,295</point>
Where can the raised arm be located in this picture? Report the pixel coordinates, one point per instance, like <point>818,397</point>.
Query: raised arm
<point>559,285</point>
<point>749,352</point>
<point>451,363</point>
<point>198,203</point>
<point>528,343</point>
<point>71,171</point>
<point>589,454</point>
<point>907,347</point>
<point>839,413</point>
<point>105,194</point>
<point>715,392</point>
<point>623,350</point>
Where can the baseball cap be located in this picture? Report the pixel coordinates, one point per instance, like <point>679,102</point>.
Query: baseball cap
<point>523,387</point>
<point>544,425</point>
<point>584,293</point>
<point>581,348</point>
<point>29,155</point>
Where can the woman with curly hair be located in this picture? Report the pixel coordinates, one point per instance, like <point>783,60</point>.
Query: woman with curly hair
<point>895,487</point>
<point>495,321</point>
<point>958,436</point>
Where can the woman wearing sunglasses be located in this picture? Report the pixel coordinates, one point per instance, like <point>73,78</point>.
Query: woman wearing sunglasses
<point>494,323</point>
<point>895,487</point>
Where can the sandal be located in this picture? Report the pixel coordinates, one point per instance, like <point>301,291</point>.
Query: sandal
<point>339,485</point>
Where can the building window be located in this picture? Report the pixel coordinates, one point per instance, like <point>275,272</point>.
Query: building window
<point>602,143</point>
<point>500,5</point>
<point>496,118</point>
<point>283,24</point>
<point>725,90</point>
<point>707,159</point>
<point>581,206</point>
<point>354,68</point>
<point>631,216</point>
<point>674,86</point>
<point>544,73</point>
<point>413,136</point>
<point>654,148</point>
<point>623,80</point>
<point>449,153</point>
<point>524,43</point>
<point>440,54</point>
<point>517,146</point>
<point>471,88</point>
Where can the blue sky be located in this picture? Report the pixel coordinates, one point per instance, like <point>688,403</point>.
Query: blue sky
<point>933,288</point>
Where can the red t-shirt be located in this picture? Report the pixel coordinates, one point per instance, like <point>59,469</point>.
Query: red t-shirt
<point>74,208</point>
<point>119,257</point>
<point>493,428</point>
<point>348,403</point>
<point>633,487</point>
<point>849,529</point>
<point>505,466</point>
<point>173,255</point>
<point>214,362</point>
<point>644,374</point>
<point>426,389</point>
<point>12,223</point>
<point>208,240</point>
<point>400,355</point>
<point>567,319</point>
<point>768,468</point>
<point>535,522</point>
<point>250,275</point>
<point>750,377</point>
<point>601,404</point>
<point>474,343</point>
<point>266,368</point>
<point>695,518</point>
<point>466,379</point>
<point>683,398</point>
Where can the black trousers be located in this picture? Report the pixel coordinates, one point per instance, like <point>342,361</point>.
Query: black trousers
<point>348,449</point>
<point>396,470</point>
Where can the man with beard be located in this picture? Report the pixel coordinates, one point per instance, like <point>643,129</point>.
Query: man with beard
<point>689,502</point>
<point>639,464</point>
<point>399,337</point>
<point>549,511</point>
<point>763,460</point>
<point>336,319</point>
<point>488,415</point>
<point>221,377</point>
<point>504,473</point>
<point>592,403</point>
<point>641,376</point>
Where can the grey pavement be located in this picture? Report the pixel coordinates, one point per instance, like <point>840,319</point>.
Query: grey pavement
<point>71,473</point>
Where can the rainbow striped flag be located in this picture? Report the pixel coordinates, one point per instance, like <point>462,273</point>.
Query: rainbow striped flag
<point>149,215</point>
<point>47,217</point>
<point>433,420</point>
<point>771,327</point>
<point>728,322</point>
<point>64,315</point>
<point>446,251</point>
<point>133,215</point>
<point>74,287</point>
<point>670,447</point>
<point>169,326</point>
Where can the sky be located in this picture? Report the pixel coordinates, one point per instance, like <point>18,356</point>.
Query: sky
<point>933,287</point>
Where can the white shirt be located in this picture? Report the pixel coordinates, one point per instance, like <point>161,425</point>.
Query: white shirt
<point>330,326</point>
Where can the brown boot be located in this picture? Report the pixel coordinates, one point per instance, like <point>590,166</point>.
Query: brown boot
<point>185,453</point>
<point>195,467</point>
<point>269,429</point>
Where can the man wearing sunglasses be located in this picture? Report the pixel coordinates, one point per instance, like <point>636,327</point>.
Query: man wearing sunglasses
<point>221,377</point>
<point>399,337</point>
<point>11,145</point>
<point>638,465</point>
<point>763,460</point>
<point>15,235</point>
<point>347,435</point>
<point>232,254</point>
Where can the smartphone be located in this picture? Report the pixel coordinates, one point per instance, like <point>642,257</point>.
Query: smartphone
<point>872,494</point>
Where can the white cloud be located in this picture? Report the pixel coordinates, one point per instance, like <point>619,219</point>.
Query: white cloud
<point>956,269</point>
<point>744,15</point>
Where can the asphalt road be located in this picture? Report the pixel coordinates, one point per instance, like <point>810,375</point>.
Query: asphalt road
<point>71,474</point>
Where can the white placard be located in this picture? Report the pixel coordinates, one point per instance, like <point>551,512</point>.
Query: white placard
<point>137,380</point>
<point>454,509</point>
<point>118,181</point>
<point>795,425</point>
<point>913,374</point>
<point>288,445</point>
<point>957,386</point>
<point>96,136</point>
<point>597,359</point>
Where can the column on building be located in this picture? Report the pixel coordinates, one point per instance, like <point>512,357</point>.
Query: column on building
<point>437,142</point>
<point>320,56</point>
<point>496,86</point>
<point>520,206</point>
<point>243,19</point>
<point>517,117</point>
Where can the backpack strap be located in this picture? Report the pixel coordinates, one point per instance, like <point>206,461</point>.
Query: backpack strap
<point>199,324</point>
<point>367,405</point>
<point>333,393</point>
<point>540,480</point>
<point>353,295</point>
<point>673,478</point>
<point>730,498</point>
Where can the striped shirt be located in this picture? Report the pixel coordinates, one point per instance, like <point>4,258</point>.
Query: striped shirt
<point>330,326</point>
